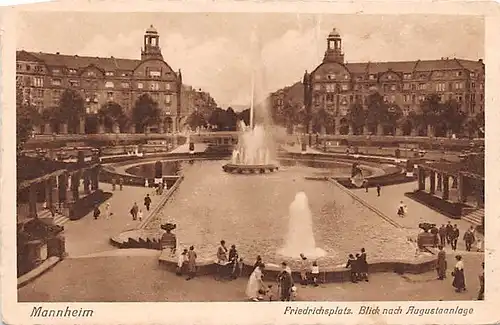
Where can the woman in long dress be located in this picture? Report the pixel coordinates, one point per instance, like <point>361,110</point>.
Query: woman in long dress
<point>441,264</point>
<point>255,283</point>
<point>459,275</point>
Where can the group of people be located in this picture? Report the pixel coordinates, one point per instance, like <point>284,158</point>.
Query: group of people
<point>229,263</point>
<point>257,290</point>
<point>120,183</point>
<point>449,235</point>
<point>187,263</point>
<point>458,273</point>
<point>358,266</point>
<point>136,212</point>
<point>107,211</point>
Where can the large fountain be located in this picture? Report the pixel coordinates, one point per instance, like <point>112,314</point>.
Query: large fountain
<point>300,236</point>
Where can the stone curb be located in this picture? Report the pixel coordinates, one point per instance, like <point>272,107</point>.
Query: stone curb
<point>38,271</point>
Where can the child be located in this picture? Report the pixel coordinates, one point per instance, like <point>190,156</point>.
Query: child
<point>315,273</point>
<point>140,215</point>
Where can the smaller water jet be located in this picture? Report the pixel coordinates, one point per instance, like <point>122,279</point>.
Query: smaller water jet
<point>300,236</point>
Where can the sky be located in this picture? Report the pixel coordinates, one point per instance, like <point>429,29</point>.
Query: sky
<point>218,52</point>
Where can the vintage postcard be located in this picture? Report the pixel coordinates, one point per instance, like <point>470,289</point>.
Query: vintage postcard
<point>249,163</point>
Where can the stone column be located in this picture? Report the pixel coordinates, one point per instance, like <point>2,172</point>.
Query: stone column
<point>430,131</point>
<point>100,128</point>
<point>433,182</point>
<point>337,126</point>
<point>48,192</point>
<point>446,187</point>
<point>32,200</point>
<point>175,124</point>
<point>421,179</point>
<point>413,132</point>
<point>439,182</point>
<point>399,132</point>
<point>132,128</point>
<point>86,182</point>
<point>323,130</point>
<point>116,128</point>
<point>462,188</point>
<point>365,130</point>
<point>75,184</point>
<point>380,129</point>
<point>81,129</point>
<point>63,128</point>
<point>47,129</point>
<point>350,130</point>
<point>36,129</point>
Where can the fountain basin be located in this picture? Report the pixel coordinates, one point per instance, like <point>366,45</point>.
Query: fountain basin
<point>250,169</point>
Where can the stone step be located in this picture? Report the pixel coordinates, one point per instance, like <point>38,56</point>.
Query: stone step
<point>58,218</point>
<point>475,217</point>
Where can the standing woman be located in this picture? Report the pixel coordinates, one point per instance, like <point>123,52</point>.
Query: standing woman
<point>191,263</point>
<point>441,264</point>
<point>459,275</point>
<point>255,283</point>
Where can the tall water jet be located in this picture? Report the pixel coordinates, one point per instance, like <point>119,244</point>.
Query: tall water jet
<point>300,236</point>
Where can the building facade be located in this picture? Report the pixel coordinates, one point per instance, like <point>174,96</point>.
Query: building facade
<point>44,76</point>
<point>335,84</point>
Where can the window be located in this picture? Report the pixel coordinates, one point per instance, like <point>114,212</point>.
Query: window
<point>74,83</point>
<point>393,87</point>
<point>440,87</point>
<point>459,85</point>
<point>406,86</point>
<point>125,85</point>
<point>56,82</point>
<point>39,93</point>
<point>481,86</point>
<point>422,86</point>
<point>330,88</point>
<point>168,99</point>
<point>331,76</point>
<point>393,99</point>
<point>18,66</point>
<point>459,98</point>
<point>28,67</point>
<point>389,76</point>
<point>438,74</point>
<point>154,74</point>
<point>371,77</point>
<point>385,98</point>
<point>155,96</point>
<point>37,81</point>
<point>317,76</point>
<point>421,98</point>
<point>345,87</point>
<point>406,98</point>
<point>473,85</point>
<point>91,73</point>
<point>109,84</point>
<point>472,74</point>
<point>458,73</point>
<point>110,73</point>
<point>167,86</point>
<point>72,71</point>
<point>154,86</point>
<point>38,69</point>
<point>140,85</point>
<point>407,76</point>
<point>56,71</point>
<point>110,95</point>
<point>346,77</point>
<point>413,99</point>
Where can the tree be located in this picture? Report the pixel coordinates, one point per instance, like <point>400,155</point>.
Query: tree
<point>112,113</point>
<point>356,117</point>
<point>452,117</point>
<point>27,117</point>
<point>391,118</point>
<point>71,108</point>
<point>145,113</point>
<point>196,119</point>
<point>217,118</point>
<point>245,116</point>
<point>376,108</point>
<point>231,119</point>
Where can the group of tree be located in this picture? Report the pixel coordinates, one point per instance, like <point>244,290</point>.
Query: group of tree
<point>444,118</point>
<point>219,119</point>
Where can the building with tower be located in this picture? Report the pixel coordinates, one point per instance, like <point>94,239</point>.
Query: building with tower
<point>42,78</point>
<point>336,84</point>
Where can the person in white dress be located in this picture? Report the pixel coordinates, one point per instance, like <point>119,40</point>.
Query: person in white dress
<point>107,210</point>
<point>140,215</point>
<point>255,283</point>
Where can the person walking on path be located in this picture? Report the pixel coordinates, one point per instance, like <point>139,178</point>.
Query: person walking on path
<point>469,239</point>
<point>378,189</point>
<point>459,275</point>
<point>441,264</point>
<point>454,237</point>
<point>120,181</point>
<point>97,212</point>
<point>352,264</point>
<point>147,201</point>
<point>367,185</point>
<point>285,283</point>
<point>134,210</point>
<point>191,263</point>
<point>140,215</point>
<point>401,209</point>
<point>113,183</point>
<point>480,295</point>
<point>221,260</point>
<point>107,211</point>
<point>442,235</point>
<point>449,232</point>
<point>182,262</point>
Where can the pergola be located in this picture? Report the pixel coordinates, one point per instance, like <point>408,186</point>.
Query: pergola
<point>467,176</point>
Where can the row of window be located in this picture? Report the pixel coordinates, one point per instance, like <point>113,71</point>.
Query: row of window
<point>406,76</point>
<point>153,86</point>
<point>439,87</point>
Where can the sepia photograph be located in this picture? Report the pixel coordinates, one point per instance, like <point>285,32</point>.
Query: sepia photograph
<point>251,157</point>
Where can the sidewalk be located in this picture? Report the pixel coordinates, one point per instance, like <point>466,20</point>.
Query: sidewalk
<point>90,236</point>
<point>388,203</point>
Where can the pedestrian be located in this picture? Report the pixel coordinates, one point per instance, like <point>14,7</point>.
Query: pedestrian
<point>367,185</point>
<point>107,211</point>
<point>442,235</point>
<point>303,269</point>
<point>221,259</point>
<point>234,262</point>
<point>454,237</point>
<point>314,274</point>
<point>285,282</point>
<point>120,181</point>
<point>449,232</point>
<point>140,215</point>
<point>480,295</point>
<point>258,261</point>
<point>146,183</point>
<point>255,283</point>
<point>97,212</point>
<point>134,210</point>
<point>469,239</point>
<point>401,209</point>
<point>363,265</point>
<point>378,189</point>
<point>147,202</point>
<point>182,262</point>
<point>113,183</point>
<point>352,264</point>
<point>191,263</point>
<point>459,275</point>
<point>441,264</point>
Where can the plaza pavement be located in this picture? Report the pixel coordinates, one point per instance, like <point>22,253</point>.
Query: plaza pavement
<point>141,278</point>
<point>88,236</point>
<point>389,200</point>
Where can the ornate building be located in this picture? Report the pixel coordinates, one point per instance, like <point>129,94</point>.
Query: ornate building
<point>335,84</point>
<point>44,76</point>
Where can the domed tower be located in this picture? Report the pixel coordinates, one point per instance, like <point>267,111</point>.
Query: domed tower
<point>333,51</point>
<point>151,48</point>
